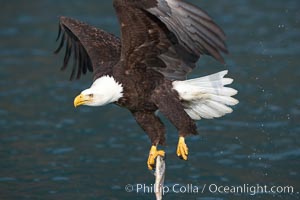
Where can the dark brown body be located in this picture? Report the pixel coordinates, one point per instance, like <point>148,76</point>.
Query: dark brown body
<point>159,96</point>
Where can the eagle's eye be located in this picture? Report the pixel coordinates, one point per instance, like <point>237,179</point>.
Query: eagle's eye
<point>91,95</point>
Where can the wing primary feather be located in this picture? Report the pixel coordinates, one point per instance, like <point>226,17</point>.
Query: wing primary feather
<point>59,32</point>
<point>195,10</point>
<point>211,38</point>
<point>210,25</point>
<point>68,53</point>
<point>62,42</point>
<point>77,63</point>
<point>210,49</point>
<point>76,54</point>
<point>81,65</point>
<point>81,58</point>
<point>90,66</point>
<point>87,62</point>
<point>86,67</point>
<point>201,16</point>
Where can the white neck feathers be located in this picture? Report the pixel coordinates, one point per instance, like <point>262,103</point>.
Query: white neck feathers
<point>105,90</point>
<point>109,86</point>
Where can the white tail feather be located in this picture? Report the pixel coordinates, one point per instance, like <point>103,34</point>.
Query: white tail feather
<point>194,115</point>
<point>206,97</point>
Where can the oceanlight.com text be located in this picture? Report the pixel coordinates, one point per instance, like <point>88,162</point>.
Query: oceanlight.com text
<point>246,189</point>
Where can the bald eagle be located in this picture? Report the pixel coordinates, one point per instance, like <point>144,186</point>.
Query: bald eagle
<point>146,70</point>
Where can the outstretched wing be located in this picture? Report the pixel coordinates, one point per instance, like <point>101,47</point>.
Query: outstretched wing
<point>93,49</point>
<point>168,36</point>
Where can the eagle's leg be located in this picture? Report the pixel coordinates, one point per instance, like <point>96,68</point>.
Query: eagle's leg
<point>155,129</point>
<point>168,103</point>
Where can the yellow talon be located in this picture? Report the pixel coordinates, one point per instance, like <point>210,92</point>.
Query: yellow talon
<point>182,149</point>
<point>152,156</point>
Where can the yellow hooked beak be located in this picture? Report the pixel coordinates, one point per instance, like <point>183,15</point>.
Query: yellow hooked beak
<point>81,100</point>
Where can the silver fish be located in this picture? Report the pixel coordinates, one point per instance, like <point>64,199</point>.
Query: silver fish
<point>159,177</point>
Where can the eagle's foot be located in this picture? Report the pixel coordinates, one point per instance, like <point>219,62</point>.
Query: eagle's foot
<point>152,156</point>
<point>182,149</point>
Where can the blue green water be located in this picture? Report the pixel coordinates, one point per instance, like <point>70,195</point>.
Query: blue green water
<point>50,150</point>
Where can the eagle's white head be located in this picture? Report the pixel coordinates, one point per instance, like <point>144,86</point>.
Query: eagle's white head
<point>103,91</point>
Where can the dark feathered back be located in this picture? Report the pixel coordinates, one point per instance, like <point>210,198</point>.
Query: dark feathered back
<point>168,36</point>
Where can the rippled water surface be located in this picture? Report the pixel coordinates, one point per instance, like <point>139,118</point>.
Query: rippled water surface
<point>49,150</point>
